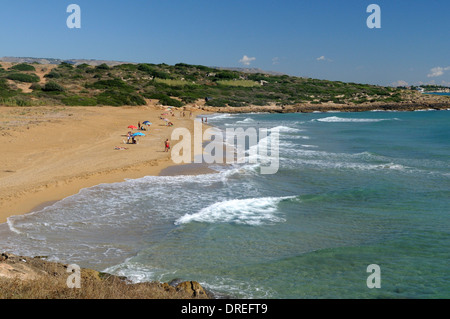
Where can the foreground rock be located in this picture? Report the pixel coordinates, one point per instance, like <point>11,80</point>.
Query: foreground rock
<point>35,278</point>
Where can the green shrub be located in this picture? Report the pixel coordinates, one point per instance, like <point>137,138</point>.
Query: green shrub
<point>152,70</point>
<point>52,75</point>
<point>119,98</point>
<point>204,68</point>
<point>164,99</point>
<point>188,99</point>
<point>76,100</point>
<point>217,102</point>
<point>53,87</point>
<point>22,77</point>
<point>77,77</point>
<point>257,77</point>
<point>102,66</point>
<point>5,90</point>
<point>65,65</point>
<point>227,75</point>
<point>23,67</point>
<point>110,84</point>
<point>127,66</point>
<point>83,66</point>
<point>243,83</point>
<point>35,87</point>
<point>15,101</point>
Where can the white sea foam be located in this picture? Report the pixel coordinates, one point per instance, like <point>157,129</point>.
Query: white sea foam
<point>247,120</point>
<point>134,272</point>
<point>250,211</point>
<point>309,146</point>
<point>286,129</point>
<point>220,116</point>
<point>342,164</point>
<point>336,119</point>
<point>10,223</point>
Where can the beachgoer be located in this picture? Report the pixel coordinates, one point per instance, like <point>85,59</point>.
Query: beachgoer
<point>139,125</point>
<point>128,137</point>
<point>167,145</point>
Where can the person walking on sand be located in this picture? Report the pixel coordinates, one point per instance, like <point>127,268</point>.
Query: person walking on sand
<point>167,145</point>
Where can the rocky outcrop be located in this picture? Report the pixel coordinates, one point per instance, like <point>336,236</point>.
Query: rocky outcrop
<point>192,288</point>
<point>24,268</point>
<point>411,102</point>
<point>37,269</point>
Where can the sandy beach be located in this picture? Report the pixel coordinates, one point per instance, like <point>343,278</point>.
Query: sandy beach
<point>49,153</point>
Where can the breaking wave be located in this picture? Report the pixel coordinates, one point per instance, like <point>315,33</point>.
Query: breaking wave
<point>251,211</point>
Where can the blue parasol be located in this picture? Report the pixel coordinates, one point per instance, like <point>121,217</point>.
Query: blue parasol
<point>138,134</point>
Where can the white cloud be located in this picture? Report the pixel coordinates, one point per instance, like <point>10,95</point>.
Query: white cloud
<point>246,60</point>
<point>437,71</point>
<point>323,58</point>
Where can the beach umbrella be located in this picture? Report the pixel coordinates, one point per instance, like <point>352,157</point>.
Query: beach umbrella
<point>132,127</point>
<point>147,123</point>
<point>167,120</point>
<point>138,134</point>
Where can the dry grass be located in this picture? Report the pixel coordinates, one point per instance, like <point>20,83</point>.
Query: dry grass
<point>92,287</point>
<point>171,82</point>
<point>49,281</point>
<point>242,83</point>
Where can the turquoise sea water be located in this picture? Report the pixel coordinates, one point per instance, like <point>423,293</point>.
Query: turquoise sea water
<point>352,189</point>
<point>439,93</point>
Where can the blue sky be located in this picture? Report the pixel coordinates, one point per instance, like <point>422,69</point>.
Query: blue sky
<point>325,39</point>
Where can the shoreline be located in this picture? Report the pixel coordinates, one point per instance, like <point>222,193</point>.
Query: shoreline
<point>441,105</point>
<point>34,176</point>
<point>25,196</point>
